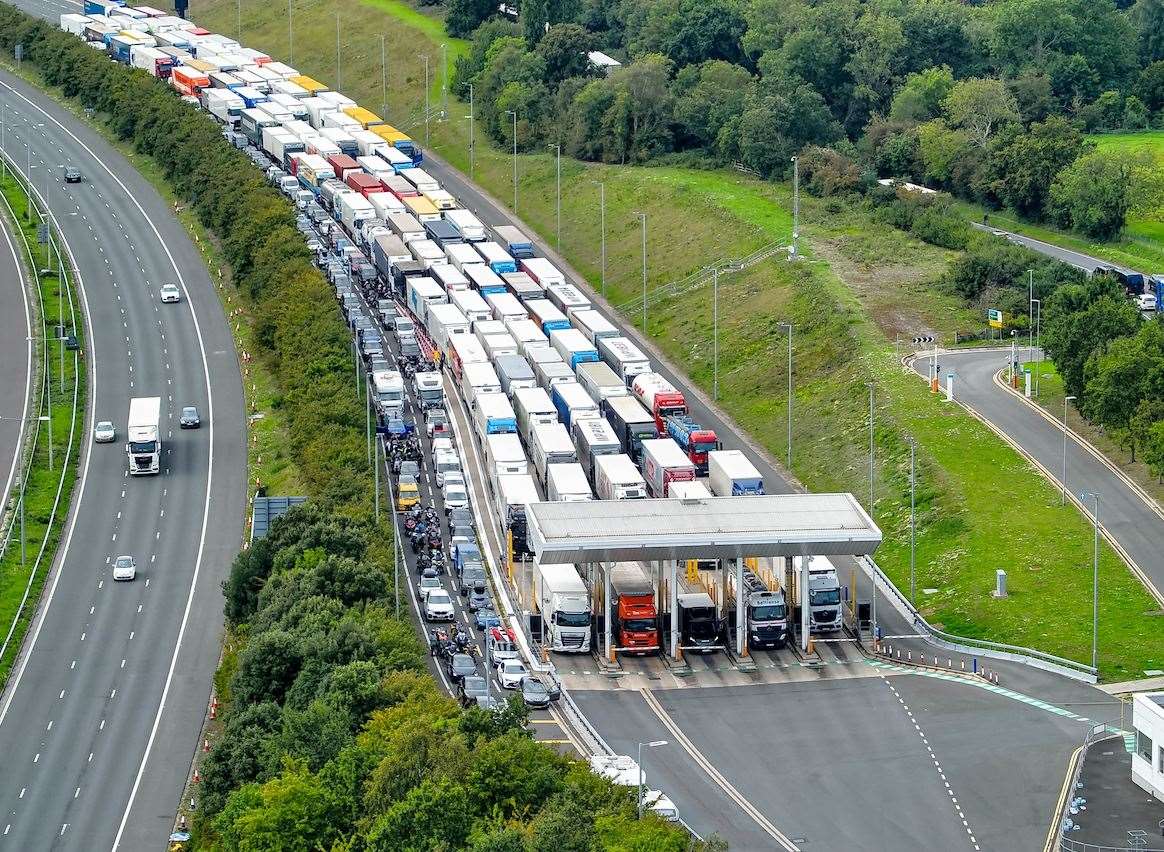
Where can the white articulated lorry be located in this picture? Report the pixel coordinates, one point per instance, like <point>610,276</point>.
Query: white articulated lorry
<point>144,444</point>
<point>565,606</point>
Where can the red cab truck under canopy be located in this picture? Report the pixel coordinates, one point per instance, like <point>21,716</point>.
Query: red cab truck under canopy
<point>632,604</point>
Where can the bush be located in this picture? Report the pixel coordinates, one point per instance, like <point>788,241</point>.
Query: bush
<point>1092,195</point>
<point>825,172</point>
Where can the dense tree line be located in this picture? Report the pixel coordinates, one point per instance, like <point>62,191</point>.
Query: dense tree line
<point>336,737</point>
<point>303,337</point>
<point>986,100</point>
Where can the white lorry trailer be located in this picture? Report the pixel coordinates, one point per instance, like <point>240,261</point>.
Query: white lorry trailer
<point>565,607</point>
<point>144,445</point>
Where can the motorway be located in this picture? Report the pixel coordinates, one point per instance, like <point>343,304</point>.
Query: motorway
<point>16,351</point>
<point>102,712</point>
<point>1136,526</point>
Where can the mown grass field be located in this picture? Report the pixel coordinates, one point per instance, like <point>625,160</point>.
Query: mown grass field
<point>862,286</point>
<point>42,483</point>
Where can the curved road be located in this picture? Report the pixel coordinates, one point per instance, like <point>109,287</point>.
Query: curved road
<point>1137,527</point>
<point>16,354</point>
<point>102,712</point>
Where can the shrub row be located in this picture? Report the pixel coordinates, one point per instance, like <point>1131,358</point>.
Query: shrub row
<point>303,338</point>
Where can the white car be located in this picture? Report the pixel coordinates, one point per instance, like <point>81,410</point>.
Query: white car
<point>104,432</point>
<point>453,477</point>
<point>124,568</point>
<point>170,293</point>
<point>428,584</point>
<point>446,462</point>
<point>1147,301</point>
<point>456,496</point>
<point>438,606</point>
<point>510,673</point>
<point>440,445</point>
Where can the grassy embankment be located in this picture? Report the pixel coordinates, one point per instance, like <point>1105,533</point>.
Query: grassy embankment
<point>863,285</point>
<point>42,483</point>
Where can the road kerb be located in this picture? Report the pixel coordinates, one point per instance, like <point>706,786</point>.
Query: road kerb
<point>1049,846</point>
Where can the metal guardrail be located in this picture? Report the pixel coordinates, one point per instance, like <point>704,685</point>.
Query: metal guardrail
<point>983,647</point>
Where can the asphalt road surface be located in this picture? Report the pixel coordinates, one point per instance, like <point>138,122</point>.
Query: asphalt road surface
<point>16,351</point>
<point>1080,261</point>
<point>1137,527</point>
<point>101,715</point>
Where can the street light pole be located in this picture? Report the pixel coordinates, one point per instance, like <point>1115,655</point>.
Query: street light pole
<point>514,114</point>
<point>602,227</point>
<point>795,208</point>
<point>913,522</point>
<point>643,219</point>
<point>873,576</point>
<point>383,78</point>
<point>788,462</point>
<point>444,80</point>
<point>558,206</point>
<point>472,152</point>
<point>424,56</point>
<point>715,334</point>
<point>339,75</point>
<point>290,35</point>
<point>654,744</point>
<point>1038,344</point>
<point>1063,480</point>
<point>238,19</point>
<point>1094,580</point>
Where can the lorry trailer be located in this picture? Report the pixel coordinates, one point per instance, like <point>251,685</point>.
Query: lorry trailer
<point>694,440</point>
<point>732,475</point>
<point>664,463</point>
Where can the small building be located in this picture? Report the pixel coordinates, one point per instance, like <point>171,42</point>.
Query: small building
<point>1148,754</point>
<point>602,62</point>
<point>266,509</point>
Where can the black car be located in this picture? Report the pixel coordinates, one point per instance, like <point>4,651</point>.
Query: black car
<point>189,418</point>
<point>534,693</point>
<point>471,575</point>
<point>460,667</point>
<point>72,174</point>
<point>479,597</point>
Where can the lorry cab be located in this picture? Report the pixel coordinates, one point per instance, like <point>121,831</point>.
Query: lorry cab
<point>824,593</point>
<point>699,628</point>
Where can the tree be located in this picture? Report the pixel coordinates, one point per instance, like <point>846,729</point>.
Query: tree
<point>1153,449</point>
<point>1034,95</point>
<point>1092,194</point>
<point>825,172</point>
<point>920,99</point>
<point>1148,18</point>
<point>1081,319</point>
<point>1135,114</point>
<point>562,825</point>
<point>980,106</point>
<point>1148,414</point>
<point>1150,86</point>
<point>266,668</point>
<point>707,96</point>
<point>564,51</point>
<point>293,812</point>
<point>648,104</point>
<point>433,816</point>
<point>1027,163</point>
<point>462,17</point>
<point>1105,113</point>
<point>939,147</point>
<point>1122,376</point>
<point>688,31</point>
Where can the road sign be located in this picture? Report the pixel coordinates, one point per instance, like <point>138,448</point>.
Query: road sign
<point>18,52</point>
<point>995,317</point>
<point>42,232</point>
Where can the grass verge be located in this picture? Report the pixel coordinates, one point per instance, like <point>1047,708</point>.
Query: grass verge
<point>981,505</point>
<point>23,569</point>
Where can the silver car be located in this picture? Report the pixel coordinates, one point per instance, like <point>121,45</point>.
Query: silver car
<point>170,293</point>
<point>104,432</point>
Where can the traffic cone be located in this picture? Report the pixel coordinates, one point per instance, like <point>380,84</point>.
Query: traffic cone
<point>197,777</point>
<point>206,745</point>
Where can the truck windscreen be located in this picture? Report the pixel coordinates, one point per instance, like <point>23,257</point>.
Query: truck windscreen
<point>825,598</point>
<point>639,625</point>
<point>702,627</point>
<point>142,446</point>
<point>769,612</point>
<point>574,619</point>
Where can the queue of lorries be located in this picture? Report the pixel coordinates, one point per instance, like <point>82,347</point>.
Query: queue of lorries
<point>564,406</point>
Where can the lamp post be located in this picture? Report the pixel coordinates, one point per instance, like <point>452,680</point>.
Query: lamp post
<point>1063,480</point>
<point>514,114</point>
<point>1030,315</point>
<point>873,577</point>
<point>444,80</point>
<point>788,461</point>
<point>472,152</point>
<point>913,522</point>
<point>1038,343</point>
<point>339,76</point>
<point>652,744</point>
<point>795,208</point>
<point>290,35</point>
<point>383,77</point>
<point>1094,579</point>
<point>602,228</point>
<point>643,220</point>
<point>424,56</point>
<point>558,204</point>
<point>715,270</point>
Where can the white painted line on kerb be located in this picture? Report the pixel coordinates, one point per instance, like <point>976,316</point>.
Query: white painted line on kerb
<point>209,467</point>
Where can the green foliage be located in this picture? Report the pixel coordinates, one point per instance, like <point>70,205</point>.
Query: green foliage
<point>1128,372</point>
<point>921,97</point>
<point>1093,195</point>
<point>1150,86</point>
<point>464,16</point>
<point>826,171</point>
<point>1148,18</point>
<point>980,107</point>
<point>991,265</point>
<point>1028,162</point>
<point>1081,319</point>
